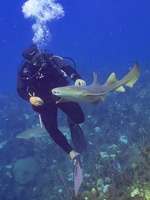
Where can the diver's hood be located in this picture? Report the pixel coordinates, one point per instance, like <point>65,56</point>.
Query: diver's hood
<point>30,52</point>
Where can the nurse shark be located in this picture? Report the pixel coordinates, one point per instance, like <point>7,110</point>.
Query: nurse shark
<point>95,92</point>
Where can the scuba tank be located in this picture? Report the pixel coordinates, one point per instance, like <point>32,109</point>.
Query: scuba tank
<point>48,61</point>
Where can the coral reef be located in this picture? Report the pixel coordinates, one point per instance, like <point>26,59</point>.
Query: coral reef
<point>116,164</point>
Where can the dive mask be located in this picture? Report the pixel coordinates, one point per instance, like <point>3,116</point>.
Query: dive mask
<point>32,54</point>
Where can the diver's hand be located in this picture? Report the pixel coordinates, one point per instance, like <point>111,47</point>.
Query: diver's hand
<point>36,101</point>
<point>80,82</point>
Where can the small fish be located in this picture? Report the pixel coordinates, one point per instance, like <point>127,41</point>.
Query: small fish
<point>39,132</point>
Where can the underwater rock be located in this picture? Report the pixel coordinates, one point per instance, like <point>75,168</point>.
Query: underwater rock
<point>25,170</point>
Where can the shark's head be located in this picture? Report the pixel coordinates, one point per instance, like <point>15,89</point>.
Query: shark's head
<point>69,93</point>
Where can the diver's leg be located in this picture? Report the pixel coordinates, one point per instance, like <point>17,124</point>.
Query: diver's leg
<point>73,111</point>
<point>49,119</point>
<point>74,117</point>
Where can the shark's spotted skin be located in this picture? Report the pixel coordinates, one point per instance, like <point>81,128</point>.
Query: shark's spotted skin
<point>95,92</point>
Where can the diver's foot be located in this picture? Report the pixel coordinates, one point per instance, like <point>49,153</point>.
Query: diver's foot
<point>74,156</point>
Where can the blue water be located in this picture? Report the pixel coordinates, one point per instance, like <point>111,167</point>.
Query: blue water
<point>101,36</point>
<point>110,34</point>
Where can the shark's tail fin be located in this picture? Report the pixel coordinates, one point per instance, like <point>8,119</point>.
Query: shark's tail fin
<point>127,80</point>
<point>132,76</point>
<point>134,73</point>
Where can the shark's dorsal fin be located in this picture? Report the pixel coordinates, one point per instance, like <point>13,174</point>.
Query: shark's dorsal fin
<point>95,82</point>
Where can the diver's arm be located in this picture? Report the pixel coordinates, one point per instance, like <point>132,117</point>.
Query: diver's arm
<point>22,92</point>
<point>22,89</point>
<point>71,72</point>
<point>68,69</point>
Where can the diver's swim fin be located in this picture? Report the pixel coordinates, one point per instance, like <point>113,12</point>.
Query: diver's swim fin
<point>78,138</point>
<point>77,174</point>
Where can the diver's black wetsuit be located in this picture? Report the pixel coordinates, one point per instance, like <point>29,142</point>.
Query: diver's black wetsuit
<point>39,81</point>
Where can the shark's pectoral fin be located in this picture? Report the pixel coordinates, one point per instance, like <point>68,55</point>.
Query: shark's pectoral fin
<point>103,98</point>
<point>96,98</point>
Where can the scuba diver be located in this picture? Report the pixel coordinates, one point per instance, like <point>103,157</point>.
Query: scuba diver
<point>38,74</point>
